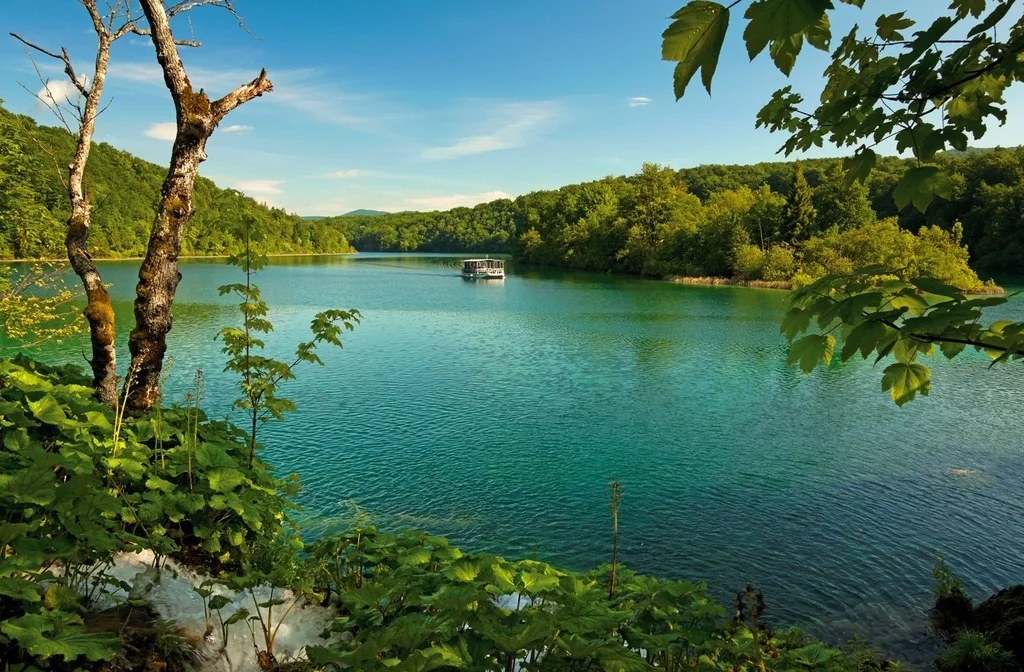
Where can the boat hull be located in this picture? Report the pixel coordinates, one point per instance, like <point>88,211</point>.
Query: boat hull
<point>483,276</point>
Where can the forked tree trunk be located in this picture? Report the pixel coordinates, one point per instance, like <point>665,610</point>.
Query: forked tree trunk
<point>196,118</point>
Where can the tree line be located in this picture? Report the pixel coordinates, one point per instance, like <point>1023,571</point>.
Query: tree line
<point>770,221</point>
<point>124,191</point>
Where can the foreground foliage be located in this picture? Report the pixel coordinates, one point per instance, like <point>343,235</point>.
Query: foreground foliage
<point>412,602</point>
<point>877,314</point>
<point>80,483</point>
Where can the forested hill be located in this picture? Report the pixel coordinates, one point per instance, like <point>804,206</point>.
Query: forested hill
<point>729,220</point>
<point>124,191</point>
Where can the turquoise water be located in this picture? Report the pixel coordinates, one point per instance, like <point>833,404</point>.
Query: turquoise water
<point>497,413</point>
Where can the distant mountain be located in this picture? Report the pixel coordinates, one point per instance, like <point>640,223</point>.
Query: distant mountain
<point>365,213</point>
<point>312,218</point>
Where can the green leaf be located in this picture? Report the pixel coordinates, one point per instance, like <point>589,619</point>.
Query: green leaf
<point>503,577</point>
<point>889,25</point>
<point>795,321</point>
<point>859,166</point>
<point>695,40</point>
<point>48,410</point>
<point>864,338</point>
<point>26,381</point>
<point>20,589</point>
<point>225,479</point>
<point>218,602</point>
<point>56,633</point>
<point>951,350</point>
<point>965,7</point>
<point>920,186</point>
<point>415,556</point>
<point>772,21</point>
<point>157,483</point>
<point>937,287</point>
<point>464,569</point>
<point>785,51</point>
<point>239,615</point>
<point>906,381</point>
<point>810,350</point>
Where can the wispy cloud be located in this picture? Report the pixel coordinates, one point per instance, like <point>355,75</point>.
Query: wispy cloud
<point>303,89</point>
<point>447,202</point>
<point>346,174</point>
<point>236,128</point>
<point>140,73</point>
<point>639,101</point>
<point>57,92</point>
<point>166,130</point>
<point>259,188</point>
<point>510,125</point>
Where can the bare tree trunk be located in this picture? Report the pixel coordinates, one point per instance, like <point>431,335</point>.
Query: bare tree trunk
<point>98,309</point>
<point>196,118</point>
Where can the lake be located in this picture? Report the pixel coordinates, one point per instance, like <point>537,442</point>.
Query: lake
<point>497,413</point>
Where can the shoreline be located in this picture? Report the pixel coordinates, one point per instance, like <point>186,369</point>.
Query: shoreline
<point>785,285</point>
<point>713,281</point>
<point>703,281</point>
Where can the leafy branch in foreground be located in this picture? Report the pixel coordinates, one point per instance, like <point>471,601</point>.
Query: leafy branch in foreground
<point>881,317</point>
<point>927,90</point>
<point>36,307</point>
<point>260,375</point>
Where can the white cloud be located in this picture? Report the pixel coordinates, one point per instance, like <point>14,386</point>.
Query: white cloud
<point>236,128</point>
<point>451,201</point>
<point>259,188</point>
<point>166,130</point>
<point>639,101</point>
<point>300,89</point>
<point>58,92</point>
<point>144,73</point>
<point>346,174</point>
<point>513,125</point>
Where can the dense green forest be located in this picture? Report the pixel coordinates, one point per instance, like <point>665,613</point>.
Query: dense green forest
<point>770,221</point>
<point>124,191</point>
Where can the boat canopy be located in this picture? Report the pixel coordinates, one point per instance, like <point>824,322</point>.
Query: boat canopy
<point>483,263</point>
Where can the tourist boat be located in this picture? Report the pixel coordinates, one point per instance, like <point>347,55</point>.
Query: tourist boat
<point>483,269</point>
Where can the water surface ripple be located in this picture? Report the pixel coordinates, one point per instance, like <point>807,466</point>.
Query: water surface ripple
<point>497,414</point>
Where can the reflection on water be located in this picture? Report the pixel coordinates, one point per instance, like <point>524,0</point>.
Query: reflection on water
<point>497,413</point>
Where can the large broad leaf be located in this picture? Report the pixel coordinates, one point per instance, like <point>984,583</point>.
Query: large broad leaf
<point>858,167</point>
<point>936,286</point>
<point>810,350</point>
<point>695,39</point>
<point>920,186</point>
<point>864,338</point>
<point>56,633</point>
<point>906,381</point>
<point>225,479</point>
<point>27,381</point>
<point>48,410</point>
<point>780,21</point>
<point>20,589</point>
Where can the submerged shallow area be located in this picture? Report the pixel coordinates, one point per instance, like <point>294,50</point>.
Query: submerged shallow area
<point>496,413</point>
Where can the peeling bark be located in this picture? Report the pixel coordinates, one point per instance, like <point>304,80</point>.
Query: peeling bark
<point>196,117</point>
<point>98,310</point>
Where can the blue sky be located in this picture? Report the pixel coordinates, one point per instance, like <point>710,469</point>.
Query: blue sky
<point>427,104</point>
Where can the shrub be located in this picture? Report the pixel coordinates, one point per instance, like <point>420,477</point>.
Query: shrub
<point>80,483</point>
